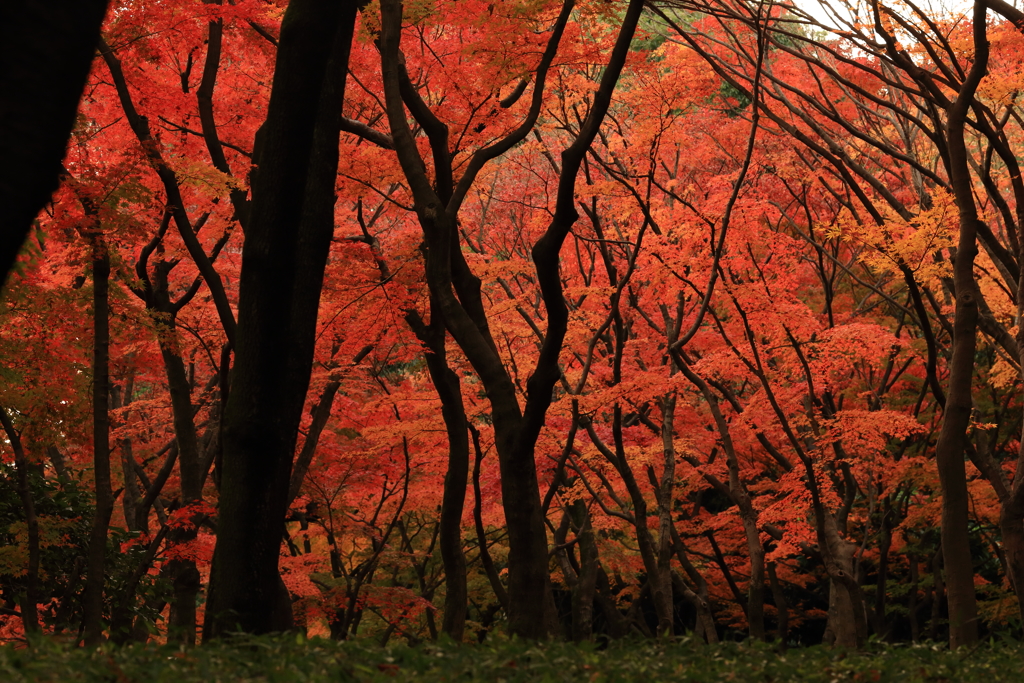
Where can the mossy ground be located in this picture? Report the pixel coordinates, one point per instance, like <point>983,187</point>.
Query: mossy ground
<point>291,659</point>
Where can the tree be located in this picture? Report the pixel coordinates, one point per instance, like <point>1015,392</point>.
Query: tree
<point>456,292</point>
<point>283,262</point>
<point>704,317</point>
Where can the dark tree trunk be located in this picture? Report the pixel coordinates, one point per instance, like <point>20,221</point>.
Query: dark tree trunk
<point>183,572</point>
<point>885,533</point>
<point>659,579</point>
<point>481,535</point>
<point>283,260</point>
<point>699,598</point>
<point>132,494</point>
<point>950,447</point>
<point>585,590</point>
<point>449,390</point>
<point>1011,524</point>
<point>781,606</point>
<point>46,49</point>
<point>454,499</point>
<point>29,614</point>
<point>912,608</point>
<point>92,598</point>
<point>1011,520</point>
<point>938,594</point>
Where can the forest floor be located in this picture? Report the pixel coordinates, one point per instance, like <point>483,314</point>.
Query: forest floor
<point>292,659</point>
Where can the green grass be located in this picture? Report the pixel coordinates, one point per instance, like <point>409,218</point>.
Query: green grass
<point>288,659</point>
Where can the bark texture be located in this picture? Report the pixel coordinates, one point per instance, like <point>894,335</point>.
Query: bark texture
<point>283,260</point>
<point>92,597</point>
<point>950,447</point>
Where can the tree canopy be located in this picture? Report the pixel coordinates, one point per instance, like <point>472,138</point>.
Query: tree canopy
<point>562,318</point>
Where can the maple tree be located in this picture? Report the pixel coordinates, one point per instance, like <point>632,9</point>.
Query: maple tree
<point>570,318</point>
<point>917,99</point>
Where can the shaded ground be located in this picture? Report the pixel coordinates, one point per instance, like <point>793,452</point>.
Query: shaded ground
<point>290,659</point>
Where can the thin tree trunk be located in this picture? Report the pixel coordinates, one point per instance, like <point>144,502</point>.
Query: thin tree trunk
<point>453,500</point>
<point>666,497</point>
<point>1011,518</point>
<point>586,584</point>
<point>659,584</point>
<point>131,496</point>
<point>938,594</point>
<point>701,597</point>
<point>915,627</point>
<point>321,413</point>
<point>183,573</point>
<point>481,535</point>
<point>781,606</point>
<point>1011,524</point>
<point>92,598</point>
<point>449,389</point>
<point>881,622</point>
<point>29,613</point>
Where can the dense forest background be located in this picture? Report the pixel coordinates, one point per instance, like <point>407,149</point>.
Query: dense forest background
<point>570,319</point>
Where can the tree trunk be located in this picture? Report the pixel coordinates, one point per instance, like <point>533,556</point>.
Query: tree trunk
<point>449,390</point>
<point>586,584</point>
<point>755,586</point>
<point>29,613</point>
<point>92,597</point>
<point>183,572</point>
<point>950,447</point>
<point>321,413</point>
<point>1011,524</point>
<point>938,595</point>
<point>881,622</point>
<point>659,581</point>
<point>846,615</point>
<point>481,534</point>
<point>666,497</point>
<point>283,261</point>
<point>915,628</point>
<point>1011,518</point>
<point>454,498</point>
<point>132,495</point>
<point>781,606</point>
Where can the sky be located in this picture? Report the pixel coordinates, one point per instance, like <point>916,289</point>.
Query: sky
<point>817,8</point>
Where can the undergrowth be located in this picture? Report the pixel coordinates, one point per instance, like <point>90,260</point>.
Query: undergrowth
<point>290,659</point>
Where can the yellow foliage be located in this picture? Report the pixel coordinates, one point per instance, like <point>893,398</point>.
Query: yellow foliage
<point>899,242</point>
<point>1002,375</point>
<point>202,176</point>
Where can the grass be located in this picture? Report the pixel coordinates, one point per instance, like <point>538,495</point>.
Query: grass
<point>293,660</point>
